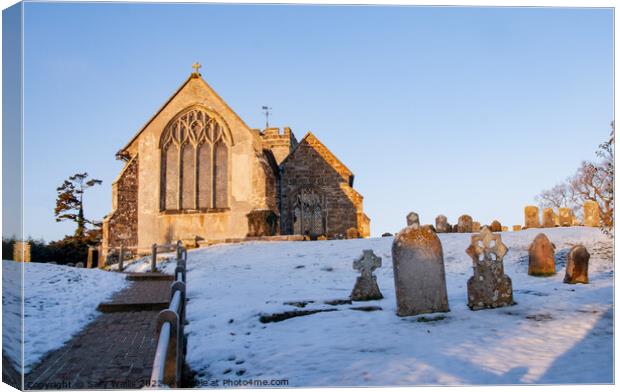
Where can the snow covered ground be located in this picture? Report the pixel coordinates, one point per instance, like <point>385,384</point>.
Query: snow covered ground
<point>58,302</point>
<point>557,333</point>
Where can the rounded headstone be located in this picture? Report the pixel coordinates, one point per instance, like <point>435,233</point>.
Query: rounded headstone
<point>419,272</point>
<point>496,226</point>
<point>516,228</point>
<point>548,217</point>
<point>413,219</point>
<point>79,265</point>
<point>531,216</point>
<point>577,265</point>
<point>352,233</point>
<point>541,257</point>
<point>591,216</point>
<point>475,227</point>
<point>565,216</point>
<point>441,224</point>
<point>465,224</point>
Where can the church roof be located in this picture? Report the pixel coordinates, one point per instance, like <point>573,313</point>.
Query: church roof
<point>326,154</point>
<point>193,75</point>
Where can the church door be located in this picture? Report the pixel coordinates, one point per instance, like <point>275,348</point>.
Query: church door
<point>309,213</point>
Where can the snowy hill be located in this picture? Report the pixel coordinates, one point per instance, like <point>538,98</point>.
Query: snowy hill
<point>58,302</point>
<point>557,333</point>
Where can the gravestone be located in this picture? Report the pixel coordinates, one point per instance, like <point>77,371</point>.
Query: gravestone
<point>21,251</point>
<point>79,264</point>
<point>419,272</point>
<point>93,257</point>
<point>475,227</point>
<point>465,224</point>
<point>366,288</point>
<point>489,287</point>
<point>413,219</point>
<point>541,257</point>
<point>577,265</point>
<point>496,226</point>
<point>504,228</point>
<point>352,233</point>
<point>70,264</point>
<point>591,215</point>
<point>441,224</point>
<point>516,228</point>
<point>566,217</point>
<point>548,217</point>
<point>321,238</point>
<point>531,217</point>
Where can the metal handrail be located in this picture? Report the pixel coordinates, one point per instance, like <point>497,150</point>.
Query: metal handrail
<point>168,362</point>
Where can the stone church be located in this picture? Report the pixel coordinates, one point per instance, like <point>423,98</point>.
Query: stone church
<point>197,172</point>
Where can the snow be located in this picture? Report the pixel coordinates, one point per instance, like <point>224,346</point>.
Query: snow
<point>58,302</point>
<point>557,333</point>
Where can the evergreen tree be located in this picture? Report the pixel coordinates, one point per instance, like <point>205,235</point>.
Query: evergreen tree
<point>70,203</point>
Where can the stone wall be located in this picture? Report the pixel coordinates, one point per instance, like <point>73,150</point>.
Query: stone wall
<point>120,227</point>
<point>315,176</point>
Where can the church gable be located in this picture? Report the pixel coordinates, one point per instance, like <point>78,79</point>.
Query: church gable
<point>317,198</point>
<point>194,92</point>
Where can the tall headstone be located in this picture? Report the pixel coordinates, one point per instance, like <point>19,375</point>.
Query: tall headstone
<point>577,265</point>
<point>475,227</point>
<point>541,257</point>
<point>413,219</point>
<point>441,224</point>
<point>531,217</point>
<point>489,287</point>
<point>496,226</point>
<point>465,224</point>
<point>591,215</point>
<point>419,272</point>
<point>548,217</point>
<point>93,257</point>
<point>21,251</point>
<point>566,217</point>
<point>366,288</point>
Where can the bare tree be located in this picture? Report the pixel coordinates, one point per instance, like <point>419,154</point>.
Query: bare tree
<point>592,181</point>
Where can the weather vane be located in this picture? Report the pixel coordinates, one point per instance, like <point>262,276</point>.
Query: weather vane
<point>267,112</point>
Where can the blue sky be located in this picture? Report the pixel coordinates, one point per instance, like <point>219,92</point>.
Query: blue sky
<point>435,110</point>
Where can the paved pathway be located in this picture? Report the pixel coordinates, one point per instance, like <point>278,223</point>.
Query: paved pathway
<point>115,350</point>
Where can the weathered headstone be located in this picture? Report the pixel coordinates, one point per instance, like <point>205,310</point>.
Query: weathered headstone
<point>532,218</point>
<point>475,227</point>
<point>489,287</point>
<point>504,228</point>
<point>352,233</point>
<point>566,217</point>
<point>366,288</point>
<point>577,265</point>
<point>413,219</point>
<point>21,251</point>
<point>79,264</point>
<point>419,272</point>
<point>548,217</point>
<point>541,257</point>
<point>465,224</point>
<point>496,226</point>
<point>516,228</point>
<point>441,224</point>
<point>591,215</point>
<point>321,238</point>
<point>70,264</point>
<point>93,257</point>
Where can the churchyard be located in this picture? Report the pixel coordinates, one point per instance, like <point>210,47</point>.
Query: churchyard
<point>333,313</point>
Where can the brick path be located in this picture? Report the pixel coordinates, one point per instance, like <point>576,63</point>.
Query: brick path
<point>115,350</point>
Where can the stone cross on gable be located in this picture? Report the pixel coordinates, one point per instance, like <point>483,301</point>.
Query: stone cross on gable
<point>367,263</point>
<point>196,67</point>
<point>481,245</point>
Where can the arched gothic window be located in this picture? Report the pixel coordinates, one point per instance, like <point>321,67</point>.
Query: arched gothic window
<point>194,152</point>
